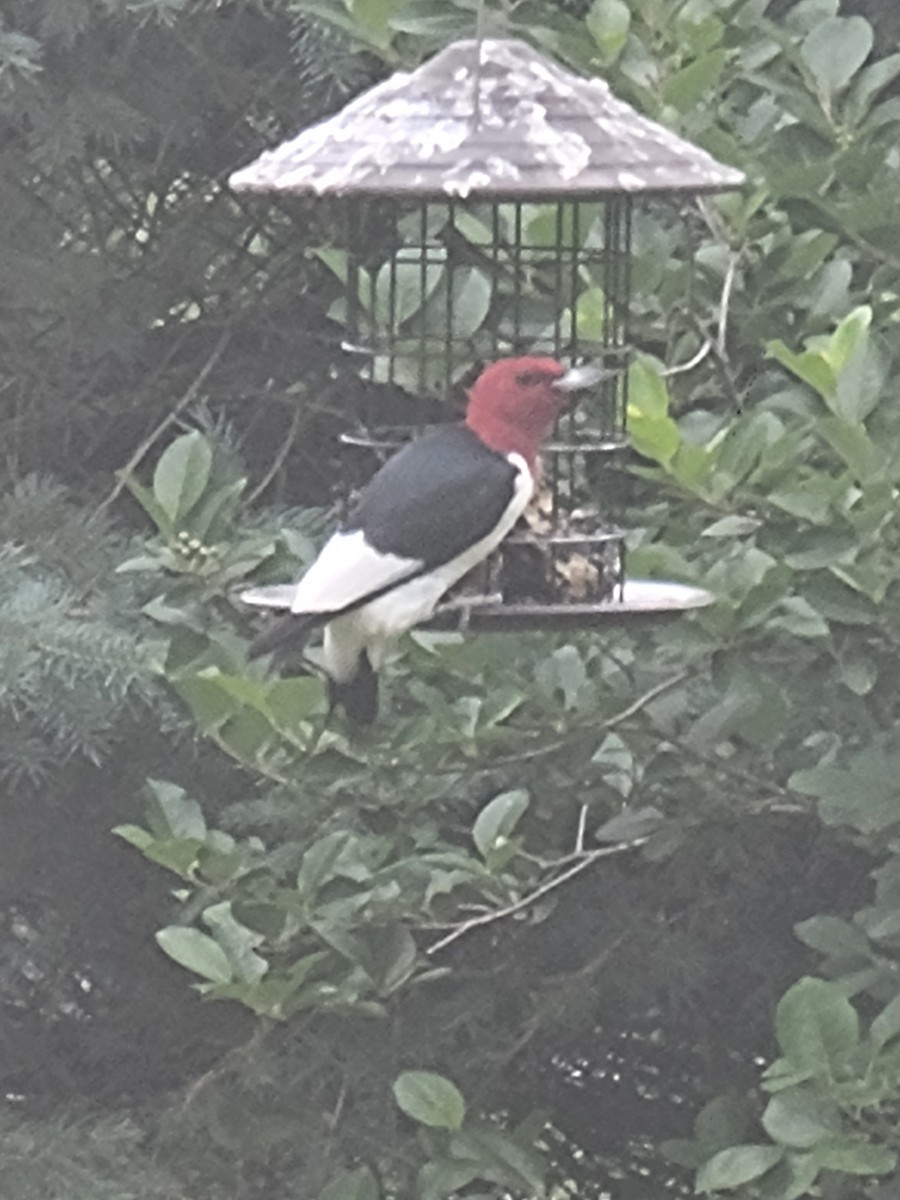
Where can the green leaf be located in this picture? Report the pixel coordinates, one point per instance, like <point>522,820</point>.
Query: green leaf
<point>855,1157</point>
<point>182,474</point>
<point>838,602</point>
<point>798,1118</point>
<point>151,507</point>
<point>652,431</point>
<point>430,1099</point>
<point>731,713</point>
<point>565,673</point>
<point>373,18</point>
<point>401,291</point>
<point>393,954</point>
<point>723,1122</point>
<point>861,383</point>
<point>432,19</point>
<point>294,700</point>
<point>735,1166</point>
<point>445,1178</point>
<point>317,866</point>
<point>807,252</point>
<point>851,442</point>
<point>269,919</point>
<point>360,1184</point>
<point>197,951</point>
<point>238,942</point>
<point>797,616</point>
<point>858,672</point>
<point>648,395</point>
<point>695,82</point>
<point>835,49</point>
<point>608,22</point>
<point>882,922</point>
<point>630,824</point>
<point>733,526</point>
<point>833,936</point>
<point>387,953</point>
<point>495,823</point>
<point>810,365</point>
<point>181,855</point>
<point>696,28</point>
<point>617,766</point>
<point>171,813</point>
<point>817,1027</point>
<point>683,1151</point>
<point>134,835</point>
<point>870,82</point>
<point>502,1159</point>
<point>590,315</point>
<point>886,1026</point>
<point>209,519</point>
<point>863,795</point>
<point>783,1074</point>
<point>210,705</point>
<point>470,301</point>
<point>849,336</point>
<point>792,1178</point>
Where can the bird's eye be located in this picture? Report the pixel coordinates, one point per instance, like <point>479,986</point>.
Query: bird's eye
<point>529,378</point>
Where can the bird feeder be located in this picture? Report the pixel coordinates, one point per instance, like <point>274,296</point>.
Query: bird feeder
<point>486,204</point>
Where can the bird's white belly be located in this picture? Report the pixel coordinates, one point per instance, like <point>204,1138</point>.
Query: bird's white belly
<point>376,624</point>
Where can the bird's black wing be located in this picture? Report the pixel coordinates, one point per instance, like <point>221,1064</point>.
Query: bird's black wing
<point>436,497</point>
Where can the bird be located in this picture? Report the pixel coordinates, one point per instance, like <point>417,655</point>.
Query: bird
<point>434,510</point>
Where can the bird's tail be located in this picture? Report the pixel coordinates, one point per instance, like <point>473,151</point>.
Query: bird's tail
<point>357,696</point>
<point>284,633</point>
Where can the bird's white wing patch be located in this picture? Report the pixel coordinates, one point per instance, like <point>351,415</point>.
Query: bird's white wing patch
<point>275,596</point>
<point>347,570</point>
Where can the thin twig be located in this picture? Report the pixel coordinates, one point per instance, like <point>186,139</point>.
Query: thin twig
<point>548,748</point>
<point>189,396</point>
<point>642,701</point>
<point>714,222</point>
<point>692,362</point>
<point>722,364</point>
<point>725,302</point>
<point>500,914</point>
<point>579,836</point>
<point>243,1052</point>
<point>332,1118</point>
<point>554,1003</point>
<point>874,252</point>
<point>715,346</point>
<point>279,460</point>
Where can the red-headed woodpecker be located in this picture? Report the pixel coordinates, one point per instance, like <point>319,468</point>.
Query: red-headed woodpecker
<point>433,511</point>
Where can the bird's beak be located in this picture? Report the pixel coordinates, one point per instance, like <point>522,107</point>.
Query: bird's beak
<point>588,375</point>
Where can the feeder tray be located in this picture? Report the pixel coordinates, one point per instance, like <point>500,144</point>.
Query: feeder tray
<point>486,201</point>
<point>638,601</point>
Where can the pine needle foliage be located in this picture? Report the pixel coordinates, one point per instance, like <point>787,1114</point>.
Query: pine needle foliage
<point>74,670</point>
<point>76,1160</point>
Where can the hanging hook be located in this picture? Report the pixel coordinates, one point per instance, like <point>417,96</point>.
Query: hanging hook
<point>479,42</point>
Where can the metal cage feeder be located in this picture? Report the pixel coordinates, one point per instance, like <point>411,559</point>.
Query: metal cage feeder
<point>487,211</point>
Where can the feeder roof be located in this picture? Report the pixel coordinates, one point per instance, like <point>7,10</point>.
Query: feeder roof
<point>535,130</point>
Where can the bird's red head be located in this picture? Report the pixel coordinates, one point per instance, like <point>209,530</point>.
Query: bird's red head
<point>514,403</point>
